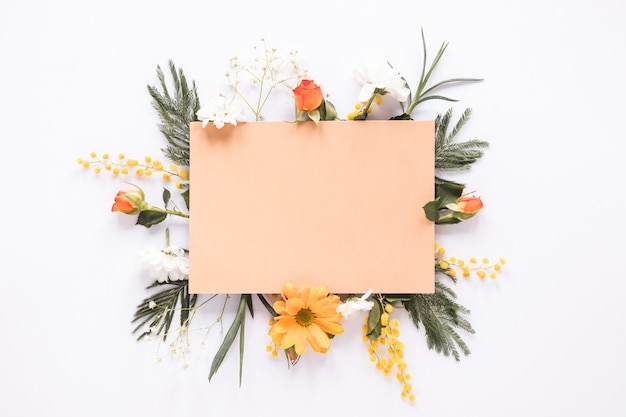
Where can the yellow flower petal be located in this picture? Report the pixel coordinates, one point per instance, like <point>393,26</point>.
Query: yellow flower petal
<point>290,331</point>
<point>280,307</point>
<point>289,291</point>
<point>294,305</point>
<point>318,340</point>
<point>296,336</point>
<point>328,326</point>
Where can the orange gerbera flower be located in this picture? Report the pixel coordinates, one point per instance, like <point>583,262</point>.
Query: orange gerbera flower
<point>306,315</point>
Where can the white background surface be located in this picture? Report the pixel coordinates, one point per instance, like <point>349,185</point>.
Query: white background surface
<point>550,334</point>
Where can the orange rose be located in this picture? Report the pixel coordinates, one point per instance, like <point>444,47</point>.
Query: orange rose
<point>308,96</point>
<point>469,204</point>
<point>129,201</point>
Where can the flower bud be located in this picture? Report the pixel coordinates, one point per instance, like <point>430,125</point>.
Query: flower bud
<point>466,207</point>
<point>129,201</point>
<point>469,204</point>
<point>308,96</point>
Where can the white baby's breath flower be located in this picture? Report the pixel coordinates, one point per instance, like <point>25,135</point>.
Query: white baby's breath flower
<point>379,75</point>
<point>354,304</point>
<point>220,112</point>
<point>171,263</point>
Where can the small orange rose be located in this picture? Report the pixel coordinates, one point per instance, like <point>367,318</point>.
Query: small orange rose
<point>308,95</point>
<point>470,204</point>
<point>129,201</point>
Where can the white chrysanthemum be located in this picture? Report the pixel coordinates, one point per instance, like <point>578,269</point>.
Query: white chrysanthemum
<point>170,263</point>
<point>379,75</point>
<point>220,112</point>
<point>354,304</point>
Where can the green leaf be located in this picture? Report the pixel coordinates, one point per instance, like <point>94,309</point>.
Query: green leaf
<point>176,110</point>
<point>328,111</point>
<point>185,195</point>
<point>230,336</point>
<point>314,115</point>
<point>448,220</point>
<point>249,305</point>
<point>166,196</point>
<point>422,92</point>
<point>149,218</point>
<point>241,345</point>
<point>161,316</point>
<point>449,81</point>
<point>374,326</point>
<point>403,116</point>
<point>441,316</point>
<point>423,99</point>
<point>450,156</point>
<point>448,192</point>
<point>431,209</point>
<point>267,305</point>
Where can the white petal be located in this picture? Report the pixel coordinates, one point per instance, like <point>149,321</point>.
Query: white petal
<point>366,92</point>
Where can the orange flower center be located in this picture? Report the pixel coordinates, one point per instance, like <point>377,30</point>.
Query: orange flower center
<point>304,317</point>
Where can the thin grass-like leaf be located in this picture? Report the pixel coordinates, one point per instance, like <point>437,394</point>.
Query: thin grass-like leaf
<point>267,305</point>
<point>230,336</point>
<point>241,339</point>
<point>423,91</point>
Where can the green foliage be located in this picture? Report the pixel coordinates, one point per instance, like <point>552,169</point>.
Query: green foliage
<point>450,156</point>
<point>175,112</point>
<point>267,305</point>
<point>167,302</point>
<point>374,326</point>
<point>441,316</point>
<point>423,92</point>
<point>149,218</point>
<point>446,192</point>
<point>185,195</point>
<point>237,326</point>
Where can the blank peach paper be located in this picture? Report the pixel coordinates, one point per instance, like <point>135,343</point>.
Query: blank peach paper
<point>338,203</point>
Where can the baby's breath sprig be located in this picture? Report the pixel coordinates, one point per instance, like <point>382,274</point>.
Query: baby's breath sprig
<point>180,344</point>
<point>268,71</point>
<point>139,167</point>
<point>451,266</point>
<point>393,356</point>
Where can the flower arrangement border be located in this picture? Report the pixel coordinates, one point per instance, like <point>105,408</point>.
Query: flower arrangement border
<point>303,316</point>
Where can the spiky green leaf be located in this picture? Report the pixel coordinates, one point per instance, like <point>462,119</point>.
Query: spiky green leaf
<point>159,318</point>
<point>451,156</point>
<point>175,110</point>
<point>229,338</point>
<point>441,317</point>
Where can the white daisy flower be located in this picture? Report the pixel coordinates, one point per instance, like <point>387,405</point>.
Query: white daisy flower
<point>379,75</point>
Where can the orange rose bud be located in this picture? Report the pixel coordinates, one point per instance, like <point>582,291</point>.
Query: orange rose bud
<point>469,204</point>
<point>129,201</point>
<point>308,96</point>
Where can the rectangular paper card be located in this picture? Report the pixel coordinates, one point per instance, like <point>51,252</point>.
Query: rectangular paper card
<point>338,203</point>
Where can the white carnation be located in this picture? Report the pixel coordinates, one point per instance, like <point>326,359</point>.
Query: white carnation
<point>354,304</point>
<point>170,263</point>
<point>379,75</point>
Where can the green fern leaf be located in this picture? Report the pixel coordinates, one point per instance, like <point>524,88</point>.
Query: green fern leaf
<point>167,300</point>
<point>175,111</point>
<point>450,156</point>
<point>441,316</point>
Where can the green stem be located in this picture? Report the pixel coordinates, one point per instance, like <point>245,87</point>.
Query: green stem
<point>172,212</point>
<point>365,109</point>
